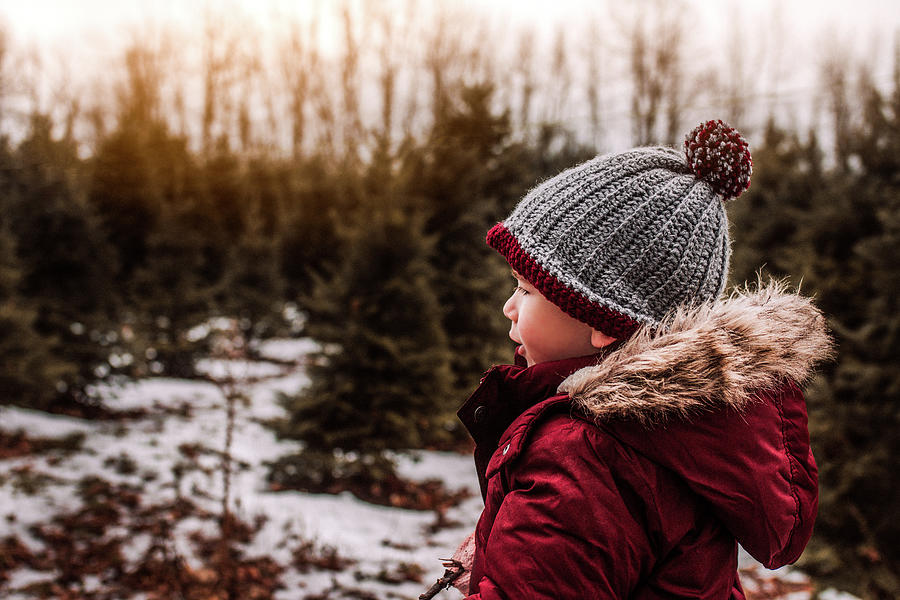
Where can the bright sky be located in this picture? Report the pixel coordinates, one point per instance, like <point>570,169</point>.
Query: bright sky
<point>45,21</point>
<point>83,30</point>
<point>81,36</point>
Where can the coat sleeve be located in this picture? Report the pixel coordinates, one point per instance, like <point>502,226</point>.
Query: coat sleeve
<point>569,524</point>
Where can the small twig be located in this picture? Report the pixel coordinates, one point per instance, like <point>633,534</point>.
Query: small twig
<point>453,572</point>
<point>230,397</point>
<point>231,346</point>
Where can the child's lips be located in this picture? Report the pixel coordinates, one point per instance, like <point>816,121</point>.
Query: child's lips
<point>520,347</point>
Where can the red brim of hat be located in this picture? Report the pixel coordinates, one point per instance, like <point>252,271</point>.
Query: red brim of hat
<point>573,303</point>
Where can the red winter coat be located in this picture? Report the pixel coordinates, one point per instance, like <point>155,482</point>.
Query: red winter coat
<point>636,473</point>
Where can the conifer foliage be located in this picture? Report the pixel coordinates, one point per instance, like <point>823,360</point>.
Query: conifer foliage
<point>461,172</point>
<point>24,354</point>
<point>855,238</point>
<point>382,377</point>
<point>836,230</point>
<point>384,369</point>
<point>63,268</point>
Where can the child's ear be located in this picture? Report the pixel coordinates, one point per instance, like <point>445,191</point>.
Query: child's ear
<point>600,339</point>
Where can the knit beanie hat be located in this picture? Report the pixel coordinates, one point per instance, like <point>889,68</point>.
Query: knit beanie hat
<point>620,240</point>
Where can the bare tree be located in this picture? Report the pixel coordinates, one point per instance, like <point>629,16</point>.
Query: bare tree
<point>140,94</point>
<point>324,116</point>
<point>738,83</point>
<point>69,101</point>
<point>351,118</point>
<point>777,33</point>
<point>388,63</point>
<point>655,35</point>
<point>411,50</point>
<point>895,78</point>
<point>249,72</point>
<point>20,76</point>
<point>646,93</point>
<point>439,53</point>
<point>834,72</point>
<point>524,69</point>
<point>96,113</point>
<point>594,77</point>
<point>560,80</point>
<point>299,60</point>
<point>478,58</point>
<point>21,73</point>
<point>4,58</point>
<point>221,47</point>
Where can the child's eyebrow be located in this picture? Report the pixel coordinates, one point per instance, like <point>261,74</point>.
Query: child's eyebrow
<point>514,274</point>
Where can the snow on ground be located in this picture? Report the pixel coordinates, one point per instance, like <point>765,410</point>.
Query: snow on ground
<point>287,350</point>
<point>41,424</point>
<point>833,594</point>
<point>183,413</point>
<point>238,369</point>
<point>150,452</point>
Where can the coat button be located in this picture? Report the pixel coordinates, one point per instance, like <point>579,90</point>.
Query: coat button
<point>478,415</point>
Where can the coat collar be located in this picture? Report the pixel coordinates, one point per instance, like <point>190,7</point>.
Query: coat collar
<point>506,391</point>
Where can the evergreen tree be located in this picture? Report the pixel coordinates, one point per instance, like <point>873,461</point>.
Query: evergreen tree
<point>787,176</point>
<point>465,181</point>
<point>252,288</point>
<point>226,191</point>
<point>123,190</point>
<point>148,189</point>
<point>29,375</point>
<point>836,231</point>
<point>381,380</point>
<point>242,209</point>
<point>848,251</point>
<point>308,243</point>
<point>169,296</point>
<point>67,270</point>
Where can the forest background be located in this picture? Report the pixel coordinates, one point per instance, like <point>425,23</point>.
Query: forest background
<point>336,179</point>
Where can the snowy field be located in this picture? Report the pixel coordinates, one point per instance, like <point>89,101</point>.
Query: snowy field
<point>149,453</point>
<point>379,539</point>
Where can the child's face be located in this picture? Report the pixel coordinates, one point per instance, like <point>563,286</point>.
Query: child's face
<point>542,329</point>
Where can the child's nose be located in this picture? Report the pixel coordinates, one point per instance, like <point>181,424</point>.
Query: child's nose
<point>509,309</point>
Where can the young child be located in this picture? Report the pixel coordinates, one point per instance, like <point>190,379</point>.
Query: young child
<point>649,425</point>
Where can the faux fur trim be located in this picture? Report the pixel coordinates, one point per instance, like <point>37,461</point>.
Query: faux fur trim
<point>705,358</point>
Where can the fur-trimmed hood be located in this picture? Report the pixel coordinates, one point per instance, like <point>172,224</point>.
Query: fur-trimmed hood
<point>714,396</point>
<point>706,358</point>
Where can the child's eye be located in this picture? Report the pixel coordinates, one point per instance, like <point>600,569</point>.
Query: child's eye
<point>519,288</point>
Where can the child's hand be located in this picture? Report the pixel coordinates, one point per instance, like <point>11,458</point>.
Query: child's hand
<point>465,554</point>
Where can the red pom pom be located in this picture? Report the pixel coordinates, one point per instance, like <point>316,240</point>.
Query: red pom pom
<point>718,154</point>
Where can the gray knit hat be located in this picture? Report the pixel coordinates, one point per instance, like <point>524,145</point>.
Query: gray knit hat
<point>622,239</point>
